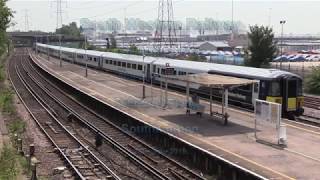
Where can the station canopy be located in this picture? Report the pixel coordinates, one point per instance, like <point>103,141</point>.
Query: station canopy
<point>213,80</point>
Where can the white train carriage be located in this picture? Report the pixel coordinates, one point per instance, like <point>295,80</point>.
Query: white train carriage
<point>94,58</point>
<point>125,64</point>
<point>273,84</point>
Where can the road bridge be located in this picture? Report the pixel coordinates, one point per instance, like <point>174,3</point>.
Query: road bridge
<point>26,39</point>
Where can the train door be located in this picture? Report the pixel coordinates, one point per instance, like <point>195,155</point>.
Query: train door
<point>100,61</point>
<point>74,57</point>
<point>290,94</point>
<point>148,71</point>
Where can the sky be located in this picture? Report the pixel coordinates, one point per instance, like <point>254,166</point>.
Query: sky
<point>302,17</point>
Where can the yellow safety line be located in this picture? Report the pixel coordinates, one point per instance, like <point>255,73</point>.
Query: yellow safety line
<point>155,120</point>
<point>296,127</point>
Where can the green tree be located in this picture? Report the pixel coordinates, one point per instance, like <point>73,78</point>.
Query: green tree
<point>262,48</point>
<point>5,17</point>
<point>133,49</point>
<point>313,81</point>
<point>71,30</point>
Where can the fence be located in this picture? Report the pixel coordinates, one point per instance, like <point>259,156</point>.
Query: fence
<point>303,69</point>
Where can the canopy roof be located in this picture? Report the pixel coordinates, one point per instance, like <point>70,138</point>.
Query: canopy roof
<point>213,80</point>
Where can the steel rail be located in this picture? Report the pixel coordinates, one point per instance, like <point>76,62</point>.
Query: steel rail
<point>42,103</point>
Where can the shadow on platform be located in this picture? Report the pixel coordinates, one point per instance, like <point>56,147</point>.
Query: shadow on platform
<point>206,125</point>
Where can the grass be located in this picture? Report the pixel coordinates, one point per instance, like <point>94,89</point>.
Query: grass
<point>2,74</point>
<point>6,101</point>
<point>11,163</point>
<point>17,127</point>
<point>8,163</point>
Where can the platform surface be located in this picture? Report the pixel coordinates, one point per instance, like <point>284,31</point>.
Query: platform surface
<point>234,142</point>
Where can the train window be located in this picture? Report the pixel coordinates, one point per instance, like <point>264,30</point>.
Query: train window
<point>110,62</point>
<point>106,61</point>
<point>245,87</point>
<point>154,68</point>
<point>128,65</point>
<point>292,88</point>
<point>123,64</point>
<point>94,59</point>
<point>158,71</point>
<point>119,63</point>
<point>139,67</point>
<point>134,66</point>
<point>115,63</point>
<point>162,71</point>
<point>182,73</point>
<point>274,89</point>
<point>90,58</point>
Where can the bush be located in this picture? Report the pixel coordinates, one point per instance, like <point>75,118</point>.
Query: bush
<point>195,57</point>
<point>8,163</point>
<point>2,74</point>
<point>133,49</point>
<point>6,101</point>
<point>17,126</point>
<point>313,81</point>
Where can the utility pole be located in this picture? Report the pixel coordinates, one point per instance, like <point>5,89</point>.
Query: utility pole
<point>143,76</point>
<point>282,22</point>
<point>180,28</point>
<point>59,13</point>
<point>85,50</point>
<point>26,20</point>
<point>48,48</point>
<point>165,30</point>
<point>125,27</point>
<point>232,28</point>
<point>60,50</point>
<point>269,17</point>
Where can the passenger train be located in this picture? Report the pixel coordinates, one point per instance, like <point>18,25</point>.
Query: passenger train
<point>273,85</point>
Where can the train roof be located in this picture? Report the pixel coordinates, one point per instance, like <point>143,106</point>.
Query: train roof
<point>229,70</point>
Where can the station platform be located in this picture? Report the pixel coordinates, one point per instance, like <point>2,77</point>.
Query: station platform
<point>234,142</point>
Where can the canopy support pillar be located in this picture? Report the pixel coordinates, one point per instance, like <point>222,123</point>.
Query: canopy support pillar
<point>224,104</point>
<point>166,92</point>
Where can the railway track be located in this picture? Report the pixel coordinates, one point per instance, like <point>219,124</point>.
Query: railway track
<point>311,120</point>
<point>156,163</point>
<point>80,159</point>
<point>312,102</point>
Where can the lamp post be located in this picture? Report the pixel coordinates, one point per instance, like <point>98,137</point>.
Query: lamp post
<point>36,45</point>
<point>48,48</point>
<point>282,22</point>
<point>180,28</point>
<point>143,76</point>
<point>85,52</point>
<point>85,48</point>
<point>60,50</point>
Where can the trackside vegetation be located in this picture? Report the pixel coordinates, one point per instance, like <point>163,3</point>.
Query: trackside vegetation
<point>12,165</point>
<point>312,82</point>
